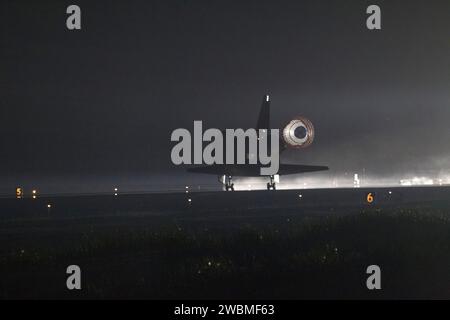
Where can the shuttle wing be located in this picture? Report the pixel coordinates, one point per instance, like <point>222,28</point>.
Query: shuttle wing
<point>248,170</point>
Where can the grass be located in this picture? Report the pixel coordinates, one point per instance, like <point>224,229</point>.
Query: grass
<point>321,257</point>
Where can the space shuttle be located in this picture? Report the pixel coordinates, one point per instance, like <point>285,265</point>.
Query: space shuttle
<point>298,133</point>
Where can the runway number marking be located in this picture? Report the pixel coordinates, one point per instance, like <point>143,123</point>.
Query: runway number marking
<point>19,193</point>
<point>370,197</point>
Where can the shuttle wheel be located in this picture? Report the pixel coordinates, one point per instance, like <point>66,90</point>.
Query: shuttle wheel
<point>271,186</point>
<point>271,183</point>
<point>230,187</point>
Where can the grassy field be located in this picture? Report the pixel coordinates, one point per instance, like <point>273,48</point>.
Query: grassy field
<point>312,257</point>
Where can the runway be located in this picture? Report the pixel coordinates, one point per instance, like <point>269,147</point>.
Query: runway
<point>242,244</point>
<point>70,216</point>
<point>213,203</point>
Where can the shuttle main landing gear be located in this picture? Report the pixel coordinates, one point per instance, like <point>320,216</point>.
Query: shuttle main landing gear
<point>227,182</point>
<point>271,184</point>
<point>229,185</point>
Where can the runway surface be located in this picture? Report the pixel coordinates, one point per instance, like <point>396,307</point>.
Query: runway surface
<point>223,211</point>
<point>211,203</point>
<point>162,245</point>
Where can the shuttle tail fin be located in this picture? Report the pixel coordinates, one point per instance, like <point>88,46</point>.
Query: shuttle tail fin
<point>264,114</point>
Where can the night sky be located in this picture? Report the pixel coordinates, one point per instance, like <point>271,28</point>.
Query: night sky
<point>103,101</point>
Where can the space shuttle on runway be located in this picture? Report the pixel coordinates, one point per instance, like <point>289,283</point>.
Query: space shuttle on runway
<point>297,134</point>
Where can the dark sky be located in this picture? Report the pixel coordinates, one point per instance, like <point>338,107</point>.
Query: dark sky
<point>105,99</point>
